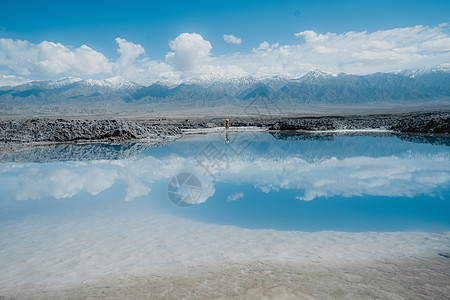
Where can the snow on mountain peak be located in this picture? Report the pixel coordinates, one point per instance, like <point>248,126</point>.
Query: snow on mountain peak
<point>116,82</point>
<point>63,82</point>
<point>413,73</point>
<point>318,74</point>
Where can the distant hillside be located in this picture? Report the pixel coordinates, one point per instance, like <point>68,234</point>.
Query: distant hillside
<point>314,88</point>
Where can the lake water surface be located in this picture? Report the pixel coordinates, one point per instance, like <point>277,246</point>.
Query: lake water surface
<point>80,211</point>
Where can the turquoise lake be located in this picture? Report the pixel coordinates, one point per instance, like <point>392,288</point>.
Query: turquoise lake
<point>298,182</point>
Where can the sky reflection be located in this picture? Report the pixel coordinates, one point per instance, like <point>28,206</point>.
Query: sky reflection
<point>291,169</point>
<point>418,170</point>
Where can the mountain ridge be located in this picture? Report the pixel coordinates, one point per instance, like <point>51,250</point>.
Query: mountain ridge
<point>314,87</point>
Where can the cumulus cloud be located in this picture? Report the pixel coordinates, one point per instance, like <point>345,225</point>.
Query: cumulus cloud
<point>189,52</point>
<point>350,52</point>
<point>50,58</point>
<point>265,47</point>
<point>380,51</point>
<point>190,56</point>
<point>231,39</point>
<point>129,52</point>
<point>134,65</point>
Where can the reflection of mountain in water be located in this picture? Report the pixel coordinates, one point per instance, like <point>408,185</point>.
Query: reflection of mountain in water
<point>75,152</point>
<point>313,147</point>
<point>425,139</point>
<point>413,138</point>
<point>310,147</point>
<point>276,145</point>
<point>304,137</point>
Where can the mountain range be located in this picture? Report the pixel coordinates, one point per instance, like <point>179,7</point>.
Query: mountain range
<point>315,87</point>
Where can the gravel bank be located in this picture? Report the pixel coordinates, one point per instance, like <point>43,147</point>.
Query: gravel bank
<point>38,130</point>
<point>418,122</point>
<point>42,130</point>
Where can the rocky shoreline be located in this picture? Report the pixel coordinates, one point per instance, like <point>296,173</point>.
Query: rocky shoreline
<point>57,131</point>
<point>28,131</point>
<point>417,122</point>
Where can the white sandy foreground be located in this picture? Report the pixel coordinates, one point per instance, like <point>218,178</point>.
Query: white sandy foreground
<point>405,279</point>
<point>136,253</point>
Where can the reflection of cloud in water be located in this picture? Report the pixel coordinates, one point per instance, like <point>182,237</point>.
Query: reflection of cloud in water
<point>235,197</point>
<point>384,176</point>
<point>407,176</point>
<point>61,182</point>
<point>356,176</point>
<point>64,180</point>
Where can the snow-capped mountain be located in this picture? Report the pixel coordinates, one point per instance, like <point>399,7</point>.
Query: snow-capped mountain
<point>314,87</point>
<point>442,68</point>
<point>114,83</point>
<point>47,84</point>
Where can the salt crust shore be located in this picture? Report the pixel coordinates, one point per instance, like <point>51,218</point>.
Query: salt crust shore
<point>407,278</point>
<point>165,257</point>
<point>89,251</point>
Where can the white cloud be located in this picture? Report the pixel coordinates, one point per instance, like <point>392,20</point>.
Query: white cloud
<point>311,36</point>
<point>265,47</point>
<point>129,52</point>
<point>11,80</point>
<point>235,197</point>
<point>231,39</point>
<point>380,51</point>
<point>134,65</point>
<point>189,52</point>
<point>191,58</point>
<point>350,52</point>
<point>50,58</point>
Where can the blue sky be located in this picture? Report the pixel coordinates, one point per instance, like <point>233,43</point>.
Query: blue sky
<point>153,24</point>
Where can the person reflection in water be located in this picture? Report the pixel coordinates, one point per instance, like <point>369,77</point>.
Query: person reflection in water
<point>227,126</point>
